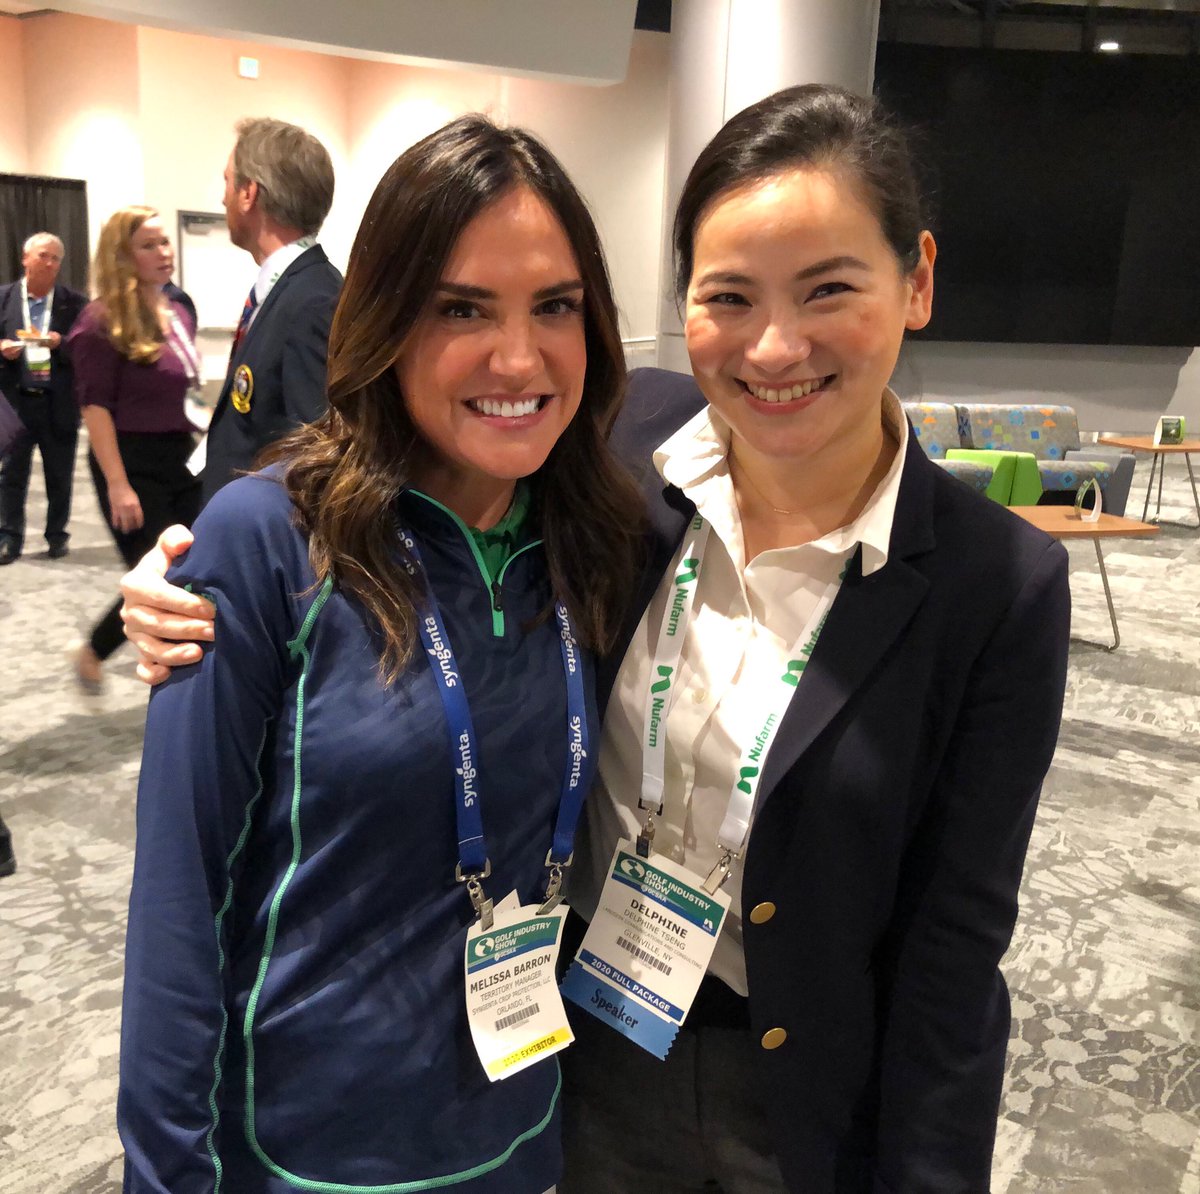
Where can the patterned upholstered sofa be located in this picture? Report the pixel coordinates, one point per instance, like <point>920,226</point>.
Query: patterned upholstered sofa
<point>936,428</point>
<point>1048,432</point>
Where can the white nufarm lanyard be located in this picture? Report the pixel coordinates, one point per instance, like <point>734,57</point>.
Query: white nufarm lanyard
<point>46,311</point>
<point>660,696</point>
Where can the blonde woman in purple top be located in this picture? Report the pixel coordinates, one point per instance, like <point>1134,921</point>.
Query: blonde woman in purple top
<point>135,361</point>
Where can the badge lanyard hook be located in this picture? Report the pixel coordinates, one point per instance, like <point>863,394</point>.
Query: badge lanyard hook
<point>478,897</point>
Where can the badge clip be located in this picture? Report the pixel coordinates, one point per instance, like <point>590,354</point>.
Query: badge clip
<point>645,839</point>
<point>554,883</point>
<point>479,901</point>
<point>720,872</point>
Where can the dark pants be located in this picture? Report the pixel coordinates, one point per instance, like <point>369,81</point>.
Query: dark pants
<point>708,1128</point>
<point>156,466</point>
<point>57,448</point>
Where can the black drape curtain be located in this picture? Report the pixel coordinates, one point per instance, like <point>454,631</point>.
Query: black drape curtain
<point>29,204</point>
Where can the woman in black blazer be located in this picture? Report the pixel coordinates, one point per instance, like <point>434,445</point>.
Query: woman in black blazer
<point>892,811</point>
<point>903,644</point>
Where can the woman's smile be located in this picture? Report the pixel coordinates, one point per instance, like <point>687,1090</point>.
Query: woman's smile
<point>510,410</point>
<point>786,395</point>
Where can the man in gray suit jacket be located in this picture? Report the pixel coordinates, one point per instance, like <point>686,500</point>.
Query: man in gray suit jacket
<point>278,190</point>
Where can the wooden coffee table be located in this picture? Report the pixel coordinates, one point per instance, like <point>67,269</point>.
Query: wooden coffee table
<point>1145,443</point>
<point>1064,522</point>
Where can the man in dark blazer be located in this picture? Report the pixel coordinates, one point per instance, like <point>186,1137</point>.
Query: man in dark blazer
<point>893,816</point>
<point>278,191</point>
<point>36,379</point>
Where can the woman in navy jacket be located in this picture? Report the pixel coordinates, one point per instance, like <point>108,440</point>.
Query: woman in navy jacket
<point>293,1012</point>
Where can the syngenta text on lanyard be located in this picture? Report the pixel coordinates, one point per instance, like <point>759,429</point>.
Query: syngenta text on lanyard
<point>656,926</point>
<point>514,1010</point>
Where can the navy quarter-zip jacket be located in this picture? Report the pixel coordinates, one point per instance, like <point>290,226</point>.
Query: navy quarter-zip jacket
<point>293,1011</point>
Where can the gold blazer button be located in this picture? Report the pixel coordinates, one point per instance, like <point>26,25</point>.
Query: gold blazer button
<point>761,913</point>
<point>774,1037</point>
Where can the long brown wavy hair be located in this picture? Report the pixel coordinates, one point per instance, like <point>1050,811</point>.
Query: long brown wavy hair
<point>345,471</point>
<point>133,327</point>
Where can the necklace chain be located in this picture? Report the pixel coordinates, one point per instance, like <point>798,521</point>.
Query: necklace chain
<point>749,480</point>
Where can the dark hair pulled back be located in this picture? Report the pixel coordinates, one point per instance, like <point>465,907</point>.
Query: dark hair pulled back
<point>810,126</point>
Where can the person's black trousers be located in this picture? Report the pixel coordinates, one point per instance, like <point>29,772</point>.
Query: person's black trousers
<point>708,1133</point>
<point>57,450</point>
<point>156,466</point>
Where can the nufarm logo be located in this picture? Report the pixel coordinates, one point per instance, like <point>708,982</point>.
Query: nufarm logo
<point>685,578</point>
<point>659,703</point>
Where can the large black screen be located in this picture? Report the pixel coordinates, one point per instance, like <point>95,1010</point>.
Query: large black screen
<point>1066,191</point>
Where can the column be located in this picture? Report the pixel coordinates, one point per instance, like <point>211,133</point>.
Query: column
<point>726,55</point>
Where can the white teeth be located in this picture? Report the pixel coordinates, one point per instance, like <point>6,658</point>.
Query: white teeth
<point>788,394</point>
<point>506,409</point>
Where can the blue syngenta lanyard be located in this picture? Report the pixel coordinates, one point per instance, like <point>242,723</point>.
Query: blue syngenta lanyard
<point>473,863</point>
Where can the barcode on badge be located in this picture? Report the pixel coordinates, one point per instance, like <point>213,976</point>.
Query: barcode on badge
<point>517,1017</point>
<point>643,956</point>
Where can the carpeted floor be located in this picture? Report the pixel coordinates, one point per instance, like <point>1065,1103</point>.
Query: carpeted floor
<point>1103,1095</point>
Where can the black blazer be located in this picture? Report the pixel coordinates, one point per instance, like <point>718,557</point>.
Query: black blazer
<point>285,352</point>
<point>64,413</point>
<point>894,813</point>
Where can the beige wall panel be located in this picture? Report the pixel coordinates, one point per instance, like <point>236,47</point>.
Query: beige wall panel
<point>14,148</point>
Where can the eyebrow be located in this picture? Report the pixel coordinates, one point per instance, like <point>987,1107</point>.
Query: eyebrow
<point>818,267</point>
<point>458,290</point>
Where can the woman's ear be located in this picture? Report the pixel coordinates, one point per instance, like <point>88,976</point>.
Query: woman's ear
<point>920,283</point>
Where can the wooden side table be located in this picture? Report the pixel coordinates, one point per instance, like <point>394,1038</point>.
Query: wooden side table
<point>1145,443</point>
<point>1064,522</point>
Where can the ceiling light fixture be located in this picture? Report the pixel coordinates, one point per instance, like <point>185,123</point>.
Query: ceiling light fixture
<point>1109,47</point>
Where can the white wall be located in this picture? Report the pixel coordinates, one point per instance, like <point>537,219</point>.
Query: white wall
<point>87,124</point>
<point>13,144</point>
<point>613,143</point>
<point>580,40</point>
<point>147,115</point>
<point>392,107</point>
<point>192,97</point>
<point>1112,388</point>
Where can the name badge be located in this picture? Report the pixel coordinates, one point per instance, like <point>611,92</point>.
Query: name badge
<point>198,458</point>
<point>37,360</point>
<point>514,1010</point>
<point>647,948</point>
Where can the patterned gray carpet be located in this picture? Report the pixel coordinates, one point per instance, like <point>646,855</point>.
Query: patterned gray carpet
<point>1103,1096</point>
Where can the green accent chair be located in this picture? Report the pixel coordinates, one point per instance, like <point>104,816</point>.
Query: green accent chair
<point>1015,477</point>
<point>935,425</point>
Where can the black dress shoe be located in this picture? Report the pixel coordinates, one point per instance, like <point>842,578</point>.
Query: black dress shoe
<point>9,551</point>
<point>58,550</point>
<point>8,862</point>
